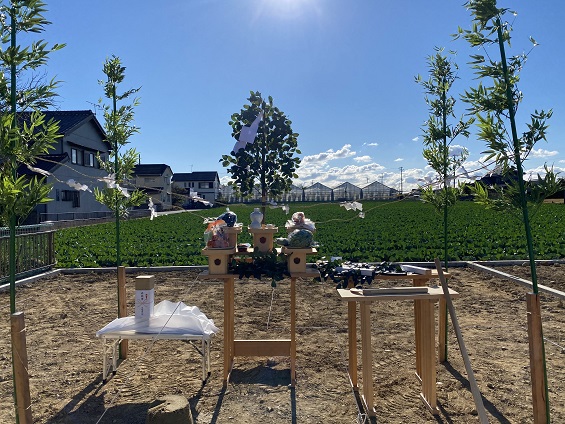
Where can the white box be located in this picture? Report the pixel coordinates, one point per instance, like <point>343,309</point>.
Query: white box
<point>144,297</point>
<point>144,304</point>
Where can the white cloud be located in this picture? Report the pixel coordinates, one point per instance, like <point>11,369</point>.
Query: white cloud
<point>359,175</point>
<point>562,161</point>
<point>225,180</point>
<point>329,155</point>
<point>542,153</point>
<point>416,139</point>
<point>533,173</point>
<point>456,150</point>
<point>373,144</point>
<point>398,159</point>
<point>365,158</point>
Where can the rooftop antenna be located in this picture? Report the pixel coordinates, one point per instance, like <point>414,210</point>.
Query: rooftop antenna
<point>96,106</point>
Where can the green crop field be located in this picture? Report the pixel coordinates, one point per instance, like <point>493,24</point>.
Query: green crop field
<point>390,231</point>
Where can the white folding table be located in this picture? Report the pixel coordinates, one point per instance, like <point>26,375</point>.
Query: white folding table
<point>184,323</point>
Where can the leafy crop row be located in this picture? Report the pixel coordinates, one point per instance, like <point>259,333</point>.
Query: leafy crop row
<point>402,231</point>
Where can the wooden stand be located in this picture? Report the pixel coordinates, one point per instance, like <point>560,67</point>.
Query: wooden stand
<point>424,323</point>
<point>418,280</point>
<point>263,238</point>
<point>218,259</point>
<point>254,347</point>
<point>296,258</point>
<point>232,233</point>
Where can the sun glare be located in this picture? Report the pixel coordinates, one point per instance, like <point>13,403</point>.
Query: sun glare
<point>290,8</point>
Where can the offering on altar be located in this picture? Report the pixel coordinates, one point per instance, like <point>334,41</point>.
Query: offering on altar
<point>298,239</point>
<point>229,217</point>
<point>299,221</point>
<point>215,236</point>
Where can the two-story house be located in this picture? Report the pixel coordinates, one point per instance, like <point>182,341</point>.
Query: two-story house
<point>155,181</point>
<point>206,184</point>
<point>72,160</point>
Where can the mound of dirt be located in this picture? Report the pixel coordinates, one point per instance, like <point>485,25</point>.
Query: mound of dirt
<point>63,313</point>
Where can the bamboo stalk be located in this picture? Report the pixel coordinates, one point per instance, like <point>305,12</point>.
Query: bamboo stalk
<point>122,307</point>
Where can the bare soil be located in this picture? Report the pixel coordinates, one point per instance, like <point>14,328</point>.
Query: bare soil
<point>63,313</point>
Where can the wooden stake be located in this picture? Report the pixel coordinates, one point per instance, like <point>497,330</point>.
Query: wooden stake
<point>470,374</point>
<point>122,307</point>
<point>21,376</point>
<point>535,337</point>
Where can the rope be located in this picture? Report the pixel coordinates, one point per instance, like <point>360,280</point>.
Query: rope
<point>271,307</point>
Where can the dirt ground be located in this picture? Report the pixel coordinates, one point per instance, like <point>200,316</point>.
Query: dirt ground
<point>63,313</point>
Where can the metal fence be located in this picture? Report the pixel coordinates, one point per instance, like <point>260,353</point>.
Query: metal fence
<point>35,250</point>
<point>71,216</point>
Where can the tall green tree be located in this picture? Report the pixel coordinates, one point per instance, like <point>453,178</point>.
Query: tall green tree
<point>439,136</point>
<point>119,128</point>
<point>269,162</point>
<point>495,104</point>
<point>24,131</point>
<point>23,90</point>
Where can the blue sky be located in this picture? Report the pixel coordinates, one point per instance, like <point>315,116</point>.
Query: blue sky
<point>342,71</point>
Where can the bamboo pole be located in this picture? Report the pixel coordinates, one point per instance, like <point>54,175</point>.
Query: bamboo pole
<point>122,307</point>
<point>21,376</point>
<point>537,369</point>
<point>470,374</point>
<point>523,202</point>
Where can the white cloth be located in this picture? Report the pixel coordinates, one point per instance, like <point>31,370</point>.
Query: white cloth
<point>248,134</point>
<point>168,318</point>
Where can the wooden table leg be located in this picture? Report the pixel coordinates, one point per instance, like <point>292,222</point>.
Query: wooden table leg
<point>442,331</point>
<point>428,358</point>
<point>293,332</point>
<point>228,327</point>
<point>367,357</point>
<point>352,342</point>
<point>418,282</point>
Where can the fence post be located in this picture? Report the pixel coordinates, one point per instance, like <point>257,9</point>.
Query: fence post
<point>21,376</point>
<point>51,247</point>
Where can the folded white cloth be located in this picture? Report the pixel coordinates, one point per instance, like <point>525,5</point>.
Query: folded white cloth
<point>168,318</point>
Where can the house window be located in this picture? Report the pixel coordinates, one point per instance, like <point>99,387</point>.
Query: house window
<point>206,185</point>
<point>77,156</point>
<point>71,196</point>
<point>89,159</point>
<point>57,195</point>
<point>149,180</point>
